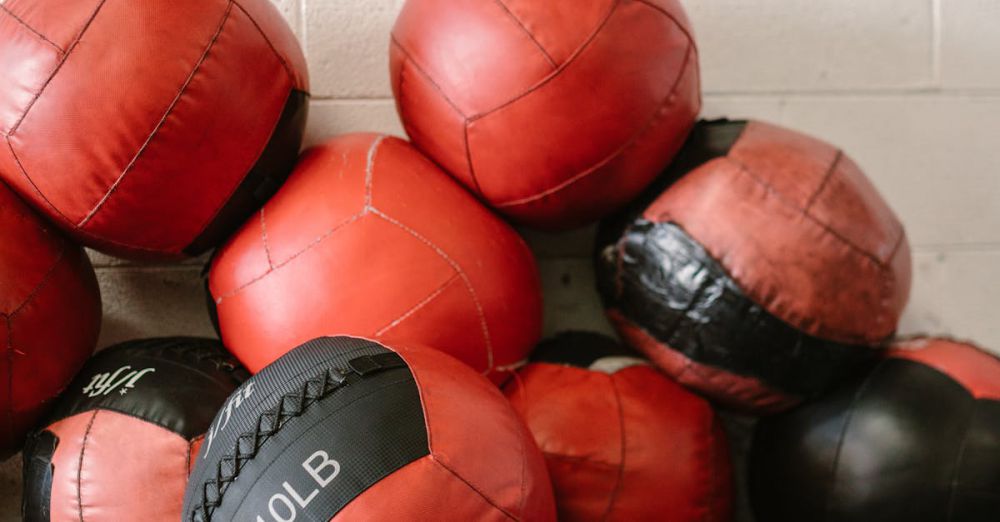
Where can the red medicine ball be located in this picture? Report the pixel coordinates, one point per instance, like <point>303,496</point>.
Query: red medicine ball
<point>621,441</point>
<point>369,238</point>
<point>122,438</point>
<point>50,315</point>
<point>765,273</point>
<point>555,112</point>
<point>148,128</point>
<point>916,440</point>
<point>347,429</point>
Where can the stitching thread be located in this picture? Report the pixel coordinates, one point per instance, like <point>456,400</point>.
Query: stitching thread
<point>42,283</point>
<point>473,488</point>
<point>79,467</point>
<point>468,157</point>
<point>4,9</point>
<point>281,58</point>
<point>538,44</point>
<point>826,179</point>
<point>163,120</point>
<point>631,142</point>
<point>426,76</point>
<point>621,465</point>
<point>430,297</point>
<point>263,236</point>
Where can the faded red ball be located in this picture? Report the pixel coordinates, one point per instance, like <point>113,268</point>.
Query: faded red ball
<point>148,129</point>
<point>554,112</point>
<point>370,238</point>
<point>621,440</point>
<point>50,316</point>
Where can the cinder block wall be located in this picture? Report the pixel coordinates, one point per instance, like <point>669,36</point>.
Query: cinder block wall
<point>909,88</point>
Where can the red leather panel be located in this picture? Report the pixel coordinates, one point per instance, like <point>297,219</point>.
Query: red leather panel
<point>467,283</point>
<point>154,78</point>
<point>631,445</point>
<point>616,80</point>
<point>736,391</point>
<point>969,365</point>
<point>826,255</point>
<point>516,481</point>
<point>416,492</point>
<point>50,312</point>
<point>110,466</point>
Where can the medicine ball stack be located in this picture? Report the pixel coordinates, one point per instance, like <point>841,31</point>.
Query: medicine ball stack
<point>380,301</point>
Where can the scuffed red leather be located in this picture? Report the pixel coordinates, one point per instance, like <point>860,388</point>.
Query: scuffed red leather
<point>50,316</point>
<point>631,445</point>
<point>109,466</point>
<point>370,238</point>
<point>554,112</point>
<point>739,392</point>
<point>514,485</point>
<point>803,232</point>
<point>129,124</point>
<point>966,363</point>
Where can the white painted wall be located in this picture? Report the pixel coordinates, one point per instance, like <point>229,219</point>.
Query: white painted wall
<point>910,88</point>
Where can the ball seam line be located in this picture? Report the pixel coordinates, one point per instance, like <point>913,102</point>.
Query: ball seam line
<point>5,9</point>
<point>79,466</point>
<point>415,308</point>
<point>530,35</point>
<point>159,125</point>
<point>416,65</point>
<point>287,67</point>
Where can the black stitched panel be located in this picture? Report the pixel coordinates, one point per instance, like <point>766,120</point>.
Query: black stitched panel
<point>580,349</point>
<point>907,443</point>
<point>177,383</point>
<point>36,502</point>
<point>265,177</point>
<point>308,434</point>
<point>663,281</point>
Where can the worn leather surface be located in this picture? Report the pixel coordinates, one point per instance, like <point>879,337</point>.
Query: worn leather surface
<point>125,431</point>
<point>553,112</point>
<point>918,439</point>
<point>625,444</point>
<point>131,124</point>
<point>370,238</point>
<point>407,426</point>
<point>759,269</point>
<point>50,316</point>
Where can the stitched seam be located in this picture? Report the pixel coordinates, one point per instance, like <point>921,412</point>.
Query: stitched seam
<point>41,284</point>
<point>473,488</point>
<point>423,302</point>
<point>58,67</point>
<point>569,61</point>
<point>370,170</point>
<point>780,197</point>
<point>621,465</point>
<point>826,179</point>
<point>79,466</point>
<point>315,242</point>
<point>843,433</point>
<point>288,68</point>
<point>4,9</point>
<point>159,125</point>
<point>461,273</point>
<point>673,19</point>
<point>631,142</point>
<point>426,76</point>
<point>520,24</point>
<point>24,172</point>
<point>263,237</point>
<point>468,157</point>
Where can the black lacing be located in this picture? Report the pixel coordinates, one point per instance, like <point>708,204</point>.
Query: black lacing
<point>271,420</point>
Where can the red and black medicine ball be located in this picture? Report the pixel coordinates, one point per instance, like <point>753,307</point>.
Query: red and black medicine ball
<point>370,238</point>
<point>343,428</point>
<point>765,271</point>
<point>120,442</point>
<point>553,112</point>
<point>148,129</point>
<point>50,316</point>
<point>621,440</point>
<point>916,440</point>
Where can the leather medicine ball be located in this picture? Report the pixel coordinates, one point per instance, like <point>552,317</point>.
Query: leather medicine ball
<point>621,441</point>
<point>767,270</point>
<point>50,316</point>
<point>553,112</point>
<point>370,238</point>
<point>120,442</point>
<point>344,428</point>
<point>148,129</point>
<point>916,440</point>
